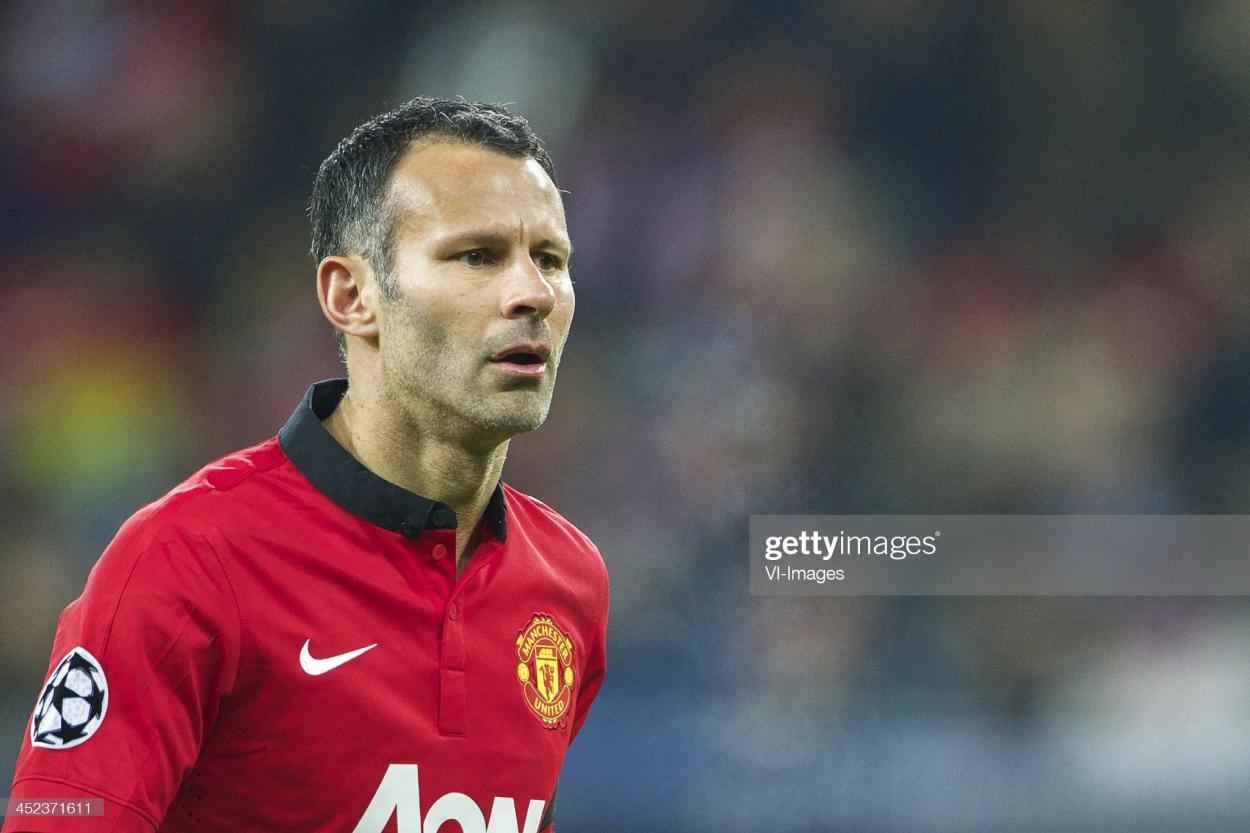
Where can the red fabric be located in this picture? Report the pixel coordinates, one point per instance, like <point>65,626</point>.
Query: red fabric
<point>198,611</point>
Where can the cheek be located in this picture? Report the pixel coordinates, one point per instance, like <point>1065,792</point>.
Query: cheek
<point>441,342</point>
<point>416,332</point>
<point>566,301</point>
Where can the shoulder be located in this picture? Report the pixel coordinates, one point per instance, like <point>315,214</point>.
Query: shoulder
<point>177,530</point>
<point>165,566</point>
<point>536,517</point>
<point>537,521</point>
<point>204,500</point>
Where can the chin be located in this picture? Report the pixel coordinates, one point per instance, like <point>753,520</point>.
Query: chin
<point>513,421</point>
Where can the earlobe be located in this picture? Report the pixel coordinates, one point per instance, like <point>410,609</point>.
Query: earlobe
<point>346,290</point>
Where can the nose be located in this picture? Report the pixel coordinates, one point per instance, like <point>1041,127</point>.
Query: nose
<point>527,291</point>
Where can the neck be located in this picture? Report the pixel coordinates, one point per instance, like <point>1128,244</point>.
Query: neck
<point>437,467</point>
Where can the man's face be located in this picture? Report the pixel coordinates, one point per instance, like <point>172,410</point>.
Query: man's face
<point>479,302</point>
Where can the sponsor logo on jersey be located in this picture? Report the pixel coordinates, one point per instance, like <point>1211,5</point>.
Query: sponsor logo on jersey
<point>545,670</point>
<point>399,795</point>
<point>73,703</point>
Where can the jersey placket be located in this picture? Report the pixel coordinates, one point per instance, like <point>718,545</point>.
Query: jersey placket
<point>452,688</point>
<point>438,547</point>
<point>452,675</point>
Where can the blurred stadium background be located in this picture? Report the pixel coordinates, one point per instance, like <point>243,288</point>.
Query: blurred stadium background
<point>857,256</point>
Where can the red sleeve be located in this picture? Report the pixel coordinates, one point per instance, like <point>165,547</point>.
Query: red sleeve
<point>152,644</point>
<point>597,661</point>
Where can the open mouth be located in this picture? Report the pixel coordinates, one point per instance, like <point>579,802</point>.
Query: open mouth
<point>523,359</point>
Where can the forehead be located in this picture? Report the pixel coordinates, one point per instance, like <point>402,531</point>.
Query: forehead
<point>448,185</point>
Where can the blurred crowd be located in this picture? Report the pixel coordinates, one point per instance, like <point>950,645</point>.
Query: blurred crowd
<point>856,256</point>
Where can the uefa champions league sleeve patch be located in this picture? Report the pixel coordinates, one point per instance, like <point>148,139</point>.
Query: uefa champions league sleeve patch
<point>73,702</point>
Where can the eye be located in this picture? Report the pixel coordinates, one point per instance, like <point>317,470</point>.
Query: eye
<point>475,257</point>
<point>546,261</point>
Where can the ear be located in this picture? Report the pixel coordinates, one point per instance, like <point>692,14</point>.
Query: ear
<point>348,294</point>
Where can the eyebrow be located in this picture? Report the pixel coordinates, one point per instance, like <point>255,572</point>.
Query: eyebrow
<point>499,240</point>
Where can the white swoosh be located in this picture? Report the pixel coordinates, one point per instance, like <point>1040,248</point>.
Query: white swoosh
<point>317,667</point>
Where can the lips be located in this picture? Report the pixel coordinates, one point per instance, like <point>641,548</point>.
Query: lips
<point>523,359</point>
<point>532,353</point>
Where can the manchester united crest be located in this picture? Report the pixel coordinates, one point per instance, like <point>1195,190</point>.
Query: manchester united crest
<point>545,669</point>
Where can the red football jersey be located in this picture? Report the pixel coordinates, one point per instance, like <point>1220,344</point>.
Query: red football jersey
<point>282,643</point>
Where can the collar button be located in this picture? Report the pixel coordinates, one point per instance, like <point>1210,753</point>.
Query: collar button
<point>442,518</point>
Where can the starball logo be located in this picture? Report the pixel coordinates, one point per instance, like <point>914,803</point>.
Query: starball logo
<point>399,795</point>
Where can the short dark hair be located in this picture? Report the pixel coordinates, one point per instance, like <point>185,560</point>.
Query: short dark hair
<point>349,209</point>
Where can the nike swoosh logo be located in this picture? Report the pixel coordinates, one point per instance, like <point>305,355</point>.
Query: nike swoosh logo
<point>316,667</point>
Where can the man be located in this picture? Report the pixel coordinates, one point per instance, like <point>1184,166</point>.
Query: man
<point>355,626</point>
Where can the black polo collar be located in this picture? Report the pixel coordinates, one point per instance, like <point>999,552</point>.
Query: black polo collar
<point>344,479</point>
